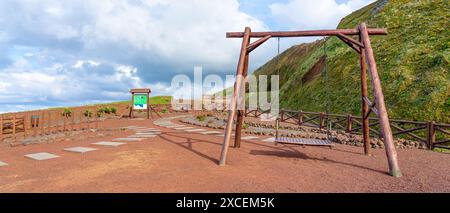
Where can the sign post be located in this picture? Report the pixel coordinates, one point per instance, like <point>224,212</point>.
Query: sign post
<point>140,101</point>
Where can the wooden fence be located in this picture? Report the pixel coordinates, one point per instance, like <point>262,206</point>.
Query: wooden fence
<point>435,135</point>
<point>43,122</point>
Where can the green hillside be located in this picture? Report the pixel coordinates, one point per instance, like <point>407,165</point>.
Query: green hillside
<point>413,63</point>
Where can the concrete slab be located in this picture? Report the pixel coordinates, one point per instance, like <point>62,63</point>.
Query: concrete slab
<point>3,164</point>
<point>108,143</point>
<point>147,133</point>
<point>41,156</point>
<point>142,136</point>
<point>223,135</point>
<point>249,137</point>
<point>194,130</point>
<point>147,130</point>
<point>183,128</point>
<point>269,140</point>
<point>175,126</point>
<point>141,127</point>
<point>79,149</point>
<point>210,132</point>
<point>128,139</point>
<point>165,124</point>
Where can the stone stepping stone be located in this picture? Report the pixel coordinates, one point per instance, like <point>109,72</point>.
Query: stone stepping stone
<point>79,149</point>
<point>137,129</point>
<point>175,126</point>
<point>146,129</point>
<point>269,140</point>
<point>223,135</point>
<point>249,137</point>
<point>147,133</point>
<point>142,136</point>
<point>170,126</point>
<point>149,130</point>
<point>3,164</point>
<point>41,156</point>
<point>194,130</point>
<point>128,139</point>
<point>108,143</point>
<point>183,128</point>
<point>210,132</point>
<point>165,124</point>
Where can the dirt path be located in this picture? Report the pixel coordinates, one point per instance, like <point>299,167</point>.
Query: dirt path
<point>178,161</point>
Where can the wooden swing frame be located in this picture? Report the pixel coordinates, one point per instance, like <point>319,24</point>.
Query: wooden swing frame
<point>363,47</point>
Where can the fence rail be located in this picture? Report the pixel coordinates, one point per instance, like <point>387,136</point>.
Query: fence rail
<point>434,135</point>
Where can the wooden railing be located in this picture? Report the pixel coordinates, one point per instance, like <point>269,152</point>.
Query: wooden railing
<point>21,125</point>
<point>429,132</point>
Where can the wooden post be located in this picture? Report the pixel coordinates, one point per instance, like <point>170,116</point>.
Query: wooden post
<point>349,124</point>
<point>14,126</point>
<point>1,127</point>
<point>321,120</point>
<point>431,134</point>
<point>383,118</point>
<point>277,127</point>
<point>49,122</point>
<point>35,124</point>
<point>96,120</point>
<point>237,136</point>
<point>364,104</point>
<point>237,85</point>
<point>41,123</point>
<point>64,123</point>
<point>240,114</point>
<point>88,120</point>
<point>148,105</point>
<point>73,121</point>
<point>131,107</point>
<point>300,117</point>
<point>25,125</point>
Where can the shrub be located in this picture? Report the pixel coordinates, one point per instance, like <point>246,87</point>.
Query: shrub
<point>99,113</point>
<point>201,117</point>
<point>164,110</point>
<point>113,110</point>
<point>244,126</point>
<point>87,113</point>
<point>107,110</point>
<point>66,112</point>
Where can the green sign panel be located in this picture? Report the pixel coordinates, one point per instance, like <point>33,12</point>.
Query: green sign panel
<point>140,101</point>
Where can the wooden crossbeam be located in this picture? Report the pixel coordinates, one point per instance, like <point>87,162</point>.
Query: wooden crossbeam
<point>306,33</point>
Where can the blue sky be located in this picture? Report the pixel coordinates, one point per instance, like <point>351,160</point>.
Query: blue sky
<point>65,53</point>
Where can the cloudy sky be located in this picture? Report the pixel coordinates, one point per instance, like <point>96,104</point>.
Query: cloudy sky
<point>72,52</point>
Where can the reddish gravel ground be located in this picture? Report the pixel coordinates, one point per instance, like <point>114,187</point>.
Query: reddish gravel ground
<point>177,161</point>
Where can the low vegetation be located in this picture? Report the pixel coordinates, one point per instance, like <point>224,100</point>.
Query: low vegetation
<point>413,63</point>
<point>66,112</point>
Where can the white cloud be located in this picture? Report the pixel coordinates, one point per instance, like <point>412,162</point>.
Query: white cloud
<point>62,52</point>
<point>74,50</point>
<point>64,84</point>
<point>314,14</point>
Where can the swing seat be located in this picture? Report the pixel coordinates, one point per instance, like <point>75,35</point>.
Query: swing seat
<point>304,141</point>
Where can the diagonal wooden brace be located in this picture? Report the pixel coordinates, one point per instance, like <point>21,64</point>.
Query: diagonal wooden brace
<point>257,43</point>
